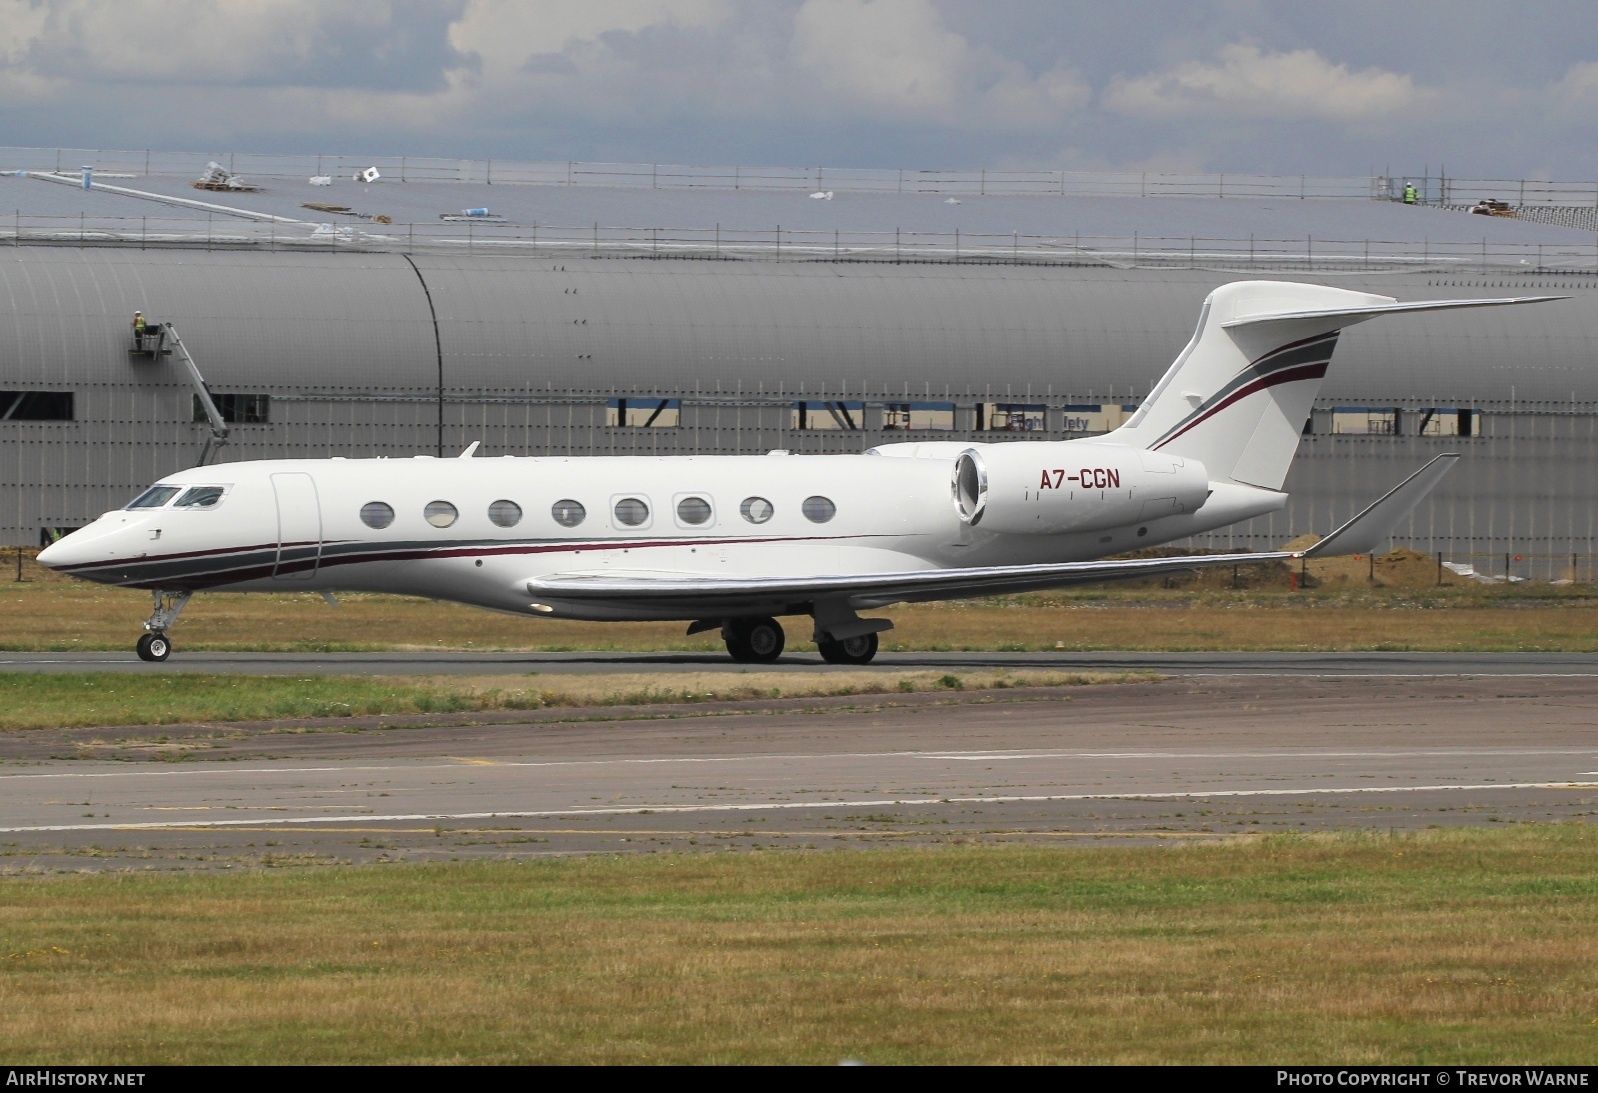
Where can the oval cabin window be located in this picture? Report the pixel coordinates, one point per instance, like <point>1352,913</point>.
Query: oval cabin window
<point>568,513</point>
<point>818,510</point>
<point>376,514</point>
<point>441,514</point>
<point>757,510</point>
<point>693,510</point>
<point>505,514</point>
<point>631,512</point>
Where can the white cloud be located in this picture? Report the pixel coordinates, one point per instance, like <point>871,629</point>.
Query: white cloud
<point>1579,87</point>
<point>1247,81</point>
<point>505,34</point>
<point>897,58</point>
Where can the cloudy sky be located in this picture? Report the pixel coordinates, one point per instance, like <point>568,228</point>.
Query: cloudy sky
<point>1490,89</point>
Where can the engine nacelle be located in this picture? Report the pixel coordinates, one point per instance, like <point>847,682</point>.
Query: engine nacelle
<point>1047,489</point>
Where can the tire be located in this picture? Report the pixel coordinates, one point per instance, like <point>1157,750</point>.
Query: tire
<point>755,641</point>
<point>858,650</point>
<point>154,647</point>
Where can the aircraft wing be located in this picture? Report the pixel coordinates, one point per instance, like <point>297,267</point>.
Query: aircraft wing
<point>871,589</point>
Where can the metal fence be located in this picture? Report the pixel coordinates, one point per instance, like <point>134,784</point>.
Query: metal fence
<point>691,176</point>
<point>338,234</point>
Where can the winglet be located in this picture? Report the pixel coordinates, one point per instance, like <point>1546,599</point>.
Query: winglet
<point>471,450</point>
<point>1367,531</point>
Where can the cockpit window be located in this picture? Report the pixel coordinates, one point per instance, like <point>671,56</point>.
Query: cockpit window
<point>154,497</point>
<point>200,497</point>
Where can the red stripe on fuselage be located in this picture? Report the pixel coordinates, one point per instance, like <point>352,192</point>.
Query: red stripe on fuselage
<point>1286,375</point>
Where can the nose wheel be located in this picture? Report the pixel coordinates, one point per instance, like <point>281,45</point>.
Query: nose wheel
<point>154,647</point>
<point>753,641</point>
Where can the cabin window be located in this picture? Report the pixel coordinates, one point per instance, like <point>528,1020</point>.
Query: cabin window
<point>693,510</point>
<point>757,510</point>
<point>826,415</point>
<point>900,416</point>
<point>441,514</point>
<point>1010,417</point>
<point>568,513</point>
<point>644,413</point>
<point>237,409</point>
<point>376,514</point>
<point>631,512</point>
<point>200,497</point>
<point>36,406</point>
<point>154,497</point>
<point>505,514</point>
<point>818,510</point>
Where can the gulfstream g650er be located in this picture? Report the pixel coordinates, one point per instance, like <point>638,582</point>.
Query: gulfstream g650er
<point>732,542</point>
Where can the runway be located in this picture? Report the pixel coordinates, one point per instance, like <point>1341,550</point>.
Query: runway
<point>1179,759</point>
<point>471,663</point>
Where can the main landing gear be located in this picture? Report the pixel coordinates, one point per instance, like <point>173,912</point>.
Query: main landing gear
<point>753,641</point>
<point>761,640</point>
<point>154,645</point>
<point>856,650</point>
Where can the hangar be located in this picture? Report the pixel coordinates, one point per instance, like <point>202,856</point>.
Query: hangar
<point>403,310</point>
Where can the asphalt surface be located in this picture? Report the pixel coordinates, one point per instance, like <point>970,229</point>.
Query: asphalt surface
<point>1178,759</point>
<point>457,663</point>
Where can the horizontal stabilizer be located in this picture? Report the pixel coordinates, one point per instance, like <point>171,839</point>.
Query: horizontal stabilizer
<point>1370,529</point>
<point>1360,314</point>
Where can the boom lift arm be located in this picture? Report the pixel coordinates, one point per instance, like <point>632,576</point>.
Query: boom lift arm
<point>219,429</point>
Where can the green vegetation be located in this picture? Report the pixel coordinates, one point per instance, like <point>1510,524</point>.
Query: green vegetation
<point>37,700</point>
<point>54,615</point>
<point>1465,946</point>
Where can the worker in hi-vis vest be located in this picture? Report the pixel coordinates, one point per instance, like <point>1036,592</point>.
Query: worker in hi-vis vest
<point>1410,193</point>
<point>138,324</point>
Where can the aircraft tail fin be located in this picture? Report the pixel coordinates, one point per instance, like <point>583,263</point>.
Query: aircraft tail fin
<point>1237,397</point>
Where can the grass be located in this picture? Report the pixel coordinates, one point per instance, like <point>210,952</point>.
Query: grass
<point>38,700</point>
<point>1465,946</point>
<point>59,615</point>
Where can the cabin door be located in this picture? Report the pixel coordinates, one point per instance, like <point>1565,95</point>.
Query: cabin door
<point>299,527</point>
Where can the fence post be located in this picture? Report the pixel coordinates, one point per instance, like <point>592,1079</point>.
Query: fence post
<point>1439,569</point>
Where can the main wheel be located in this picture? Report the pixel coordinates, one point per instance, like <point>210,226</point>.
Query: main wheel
<point>154,647</point>
<point>755,641</point>
<point>858,650</point>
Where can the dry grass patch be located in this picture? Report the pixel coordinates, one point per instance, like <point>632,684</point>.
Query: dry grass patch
<point>54,613</point>
<point>1468,946</point>
<point>38,700</point>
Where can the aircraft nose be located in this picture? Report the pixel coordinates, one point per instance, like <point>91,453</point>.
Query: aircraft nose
<point>58,554</point>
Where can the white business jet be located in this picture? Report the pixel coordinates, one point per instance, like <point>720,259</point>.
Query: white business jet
<point>731,542</point>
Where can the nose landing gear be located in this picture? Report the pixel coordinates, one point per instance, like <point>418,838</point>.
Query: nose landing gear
<point>154,645</point>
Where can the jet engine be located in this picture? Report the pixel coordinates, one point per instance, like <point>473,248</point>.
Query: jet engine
<point>1049,489</point>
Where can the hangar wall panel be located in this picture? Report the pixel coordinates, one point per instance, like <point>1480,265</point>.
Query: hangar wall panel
<point>531,350</point>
